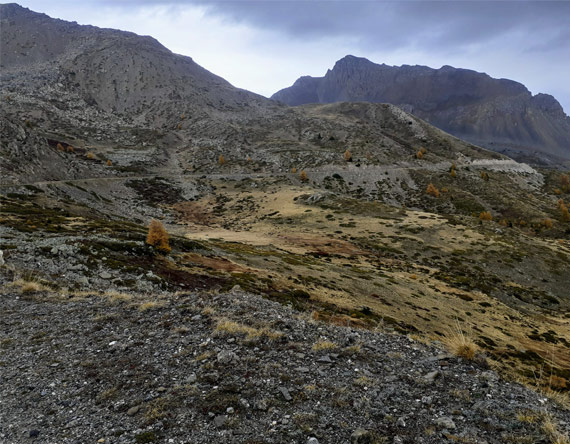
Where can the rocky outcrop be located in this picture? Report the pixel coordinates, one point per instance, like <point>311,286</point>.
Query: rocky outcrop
<point>499,114</point>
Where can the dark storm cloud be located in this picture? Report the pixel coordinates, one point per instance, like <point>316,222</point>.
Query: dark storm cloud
<point>440,25</point>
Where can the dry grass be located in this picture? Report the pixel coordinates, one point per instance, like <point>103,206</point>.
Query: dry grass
<point>225,326</point>
<point>27,286</point>
<point>461,344</point>
<point>150,305</point>
<point>528,416</point>
<point>324,345</point>
<point>117,297</point>
<point>550,428</point>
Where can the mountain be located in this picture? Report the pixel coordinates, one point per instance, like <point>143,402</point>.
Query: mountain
<point>300,244</point>
<point>498,114</point>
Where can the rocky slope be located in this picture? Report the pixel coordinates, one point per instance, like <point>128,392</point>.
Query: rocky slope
<point>229,367</point>
<point>498,114</point>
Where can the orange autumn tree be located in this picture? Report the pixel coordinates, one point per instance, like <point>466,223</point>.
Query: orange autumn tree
<point>432,190</point>
<point>158,237</point>
<point>347,156</point>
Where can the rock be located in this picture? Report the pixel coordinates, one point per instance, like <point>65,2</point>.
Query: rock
<point>105,275</point>
<point>285,393</point>
<point>133,410</point>
<point>431,376</point>
<point>261,405</point>
<point>401,422</point>
<point>191,379</point>
<point>34,433</point>
<point>227,357</point>
<point>361,436</point>
<point>445,422</point>
<point>83,280</point>
<point>312,440</point>
<point>326,359</point>
<point>230,410</point>
<point>220,420</point>
<point>1,258</point>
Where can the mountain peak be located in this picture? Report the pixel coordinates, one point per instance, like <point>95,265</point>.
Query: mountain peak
<point>495,113</point>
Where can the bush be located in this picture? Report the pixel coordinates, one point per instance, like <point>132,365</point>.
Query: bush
<point>221,159</point>
<point>485,215</point>
<point>158,237</point>
<point>303,176</point>
<point>347,156</point>
<point>432,190</point>
<point>90,155</point>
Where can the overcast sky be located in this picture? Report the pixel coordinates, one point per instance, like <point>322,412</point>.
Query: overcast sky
<point>264,46</point>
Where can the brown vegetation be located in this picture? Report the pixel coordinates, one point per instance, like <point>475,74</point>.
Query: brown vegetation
<point>221,159</point>
<point>347,156</point>
<point>432,190</point>
<point>485,215</point>
<point>157,236</point>
<point>303,176</point>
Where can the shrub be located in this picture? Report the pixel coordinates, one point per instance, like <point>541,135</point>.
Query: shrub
<point>485,215</point>
<point>221,159</point>
<point>109,163</point>
<point>547,223</point>
<point>347,156</point>
<point>70,149</point>
<point>294,170</point>
<point>432,190</point>
<point>452,172</point>
<point>60,147</point>
<point>303,176</point>
<point>484,175</point>
<point>563,211</point>
<point>461,344</point>
<point>158,237</point>
<point>90,155</point>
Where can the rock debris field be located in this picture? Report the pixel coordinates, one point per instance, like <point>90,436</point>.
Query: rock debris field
<point>235,368</point>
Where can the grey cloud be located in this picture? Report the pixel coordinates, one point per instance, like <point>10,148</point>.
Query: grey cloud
<point>401,24</point>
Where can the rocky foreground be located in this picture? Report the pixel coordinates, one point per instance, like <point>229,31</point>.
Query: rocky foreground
<point>235,368</point>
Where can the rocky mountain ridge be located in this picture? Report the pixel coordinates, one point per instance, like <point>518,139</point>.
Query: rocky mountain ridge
<point>498,114</point>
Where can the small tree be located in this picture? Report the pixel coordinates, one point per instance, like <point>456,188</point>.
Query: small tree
<point>348,156</point>
<point>303,176</point>
<point>484,175</point>
<point>90,155</point>
<point>432,190</point>
<point>70,149</point>
<point>158,237</point>
<point>485,215</point>
<point>221,159</point>
<point>60,147</point>
<point>563,211</point>
<point>452,172</point>
<point>109,163</point>
<point>294,170</point>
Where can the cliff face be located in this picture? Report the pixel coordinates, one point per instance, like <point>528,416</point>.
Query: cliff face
<point>496,113</point>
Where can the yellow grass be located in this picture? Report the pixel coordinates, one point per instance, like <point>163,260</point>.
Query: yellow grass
<point>324,345</point>
<point>226,326</point>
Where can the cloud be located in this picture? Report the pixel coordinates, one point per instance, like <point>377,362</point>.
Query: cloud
<point>265,45</point>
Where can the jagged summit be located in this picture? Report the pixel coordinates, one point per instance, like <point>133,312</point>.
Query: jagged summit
<point>500,114</point>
